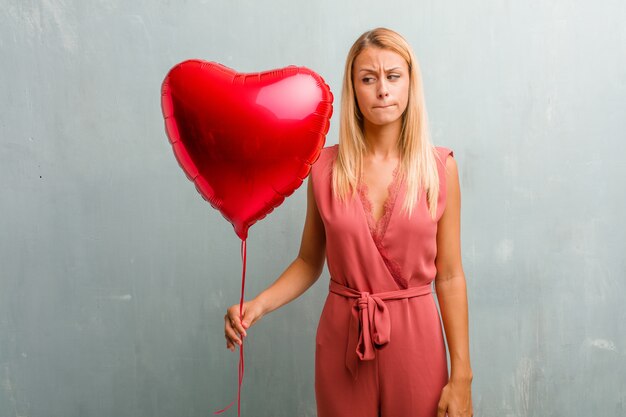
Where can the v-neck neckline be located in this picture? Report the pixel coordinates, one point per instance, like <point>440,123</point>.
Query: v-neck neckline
<point>378,227</point>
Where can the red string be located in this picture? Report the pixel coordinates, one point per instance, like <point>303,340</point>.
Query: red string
<point>241,361</point>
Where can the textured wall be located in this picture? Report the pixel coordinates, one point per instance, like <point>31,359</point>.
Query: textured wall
<point>115,274</point>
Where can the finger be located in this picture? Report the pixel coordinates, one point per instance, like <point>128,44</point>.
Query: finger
<point>236,323</point>
<point>229,345</point>
<point>441,410</point>
<point>240,327</point>
<point>230,325</point>
<point>230,333</point>
<point>241,330</point>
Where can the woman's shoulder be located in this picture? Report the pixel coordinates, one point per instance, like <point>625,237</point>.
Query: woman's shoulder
<point>443,152</point>
<point>330,151</point>
<point>442,162</point>
<point>443,171</point>
<point>322,166</point>
<point>326,156</point>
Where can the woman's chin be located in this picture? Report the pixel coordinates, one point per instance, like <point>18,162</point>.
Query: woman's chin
<point>384,121</point>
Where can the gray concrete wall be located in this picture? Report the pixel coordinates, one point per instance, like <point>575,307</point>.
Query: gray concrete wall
<point>115,274</point>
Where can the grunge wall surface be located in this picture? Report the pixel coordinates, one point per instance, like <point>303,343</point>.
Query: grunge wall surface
<point>115,275</point>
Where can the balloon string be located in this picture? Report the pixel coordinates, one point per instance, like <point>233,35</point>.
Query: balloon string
<point>241,361</point>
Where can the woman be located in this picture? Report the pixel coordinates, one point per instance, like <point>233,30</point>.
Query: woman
<point>379,343</point>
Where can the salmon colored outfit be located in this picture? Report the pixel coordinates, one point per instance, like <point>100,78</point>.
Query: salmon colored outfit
<point>379,350</point>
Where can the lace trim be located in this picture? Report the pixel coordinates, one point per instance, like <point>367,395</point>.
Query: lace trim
<point>378,228</point>
<point>393,266</point>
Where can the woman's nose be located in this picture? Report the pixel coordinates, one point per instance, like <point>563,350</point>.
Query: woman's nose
<point>382,90</point>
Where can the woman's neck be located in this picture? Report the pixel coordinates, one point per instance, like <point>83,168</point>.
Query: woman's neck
<point>382,140</point>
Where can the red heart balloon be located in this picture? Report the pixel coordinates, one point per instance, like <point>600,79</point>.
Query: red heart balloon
<point>247,140</point>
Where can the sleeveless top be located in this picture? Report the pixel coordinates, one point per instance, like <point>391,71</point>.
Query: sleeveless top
<point>394,253</point>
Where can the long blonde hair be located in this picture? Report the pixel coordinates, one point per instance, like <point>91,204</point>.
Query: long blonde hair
<point>417,154</point>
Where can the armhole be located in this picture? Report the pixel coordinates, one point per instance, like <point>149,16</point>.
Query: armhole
<point>443,191</point>
<point>319,165</point>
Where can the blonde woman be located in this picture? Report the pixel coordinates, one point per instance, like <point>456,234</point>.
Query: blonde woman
<point>384,212</point>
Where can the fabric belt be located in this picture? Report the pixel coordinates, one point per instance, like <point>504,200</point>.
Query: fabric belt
<point>370,322</point>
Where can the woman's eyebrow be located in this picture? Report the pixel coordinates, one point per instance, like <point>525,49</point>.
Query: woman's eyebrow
<point>373,70</point>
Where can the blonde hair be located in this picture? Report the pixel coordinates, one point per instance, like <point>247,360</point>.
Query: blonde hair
<point>417,154</point>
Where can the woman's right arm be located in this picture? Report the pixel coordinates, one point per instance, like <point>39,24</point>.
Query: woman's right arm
<point>293,282</point>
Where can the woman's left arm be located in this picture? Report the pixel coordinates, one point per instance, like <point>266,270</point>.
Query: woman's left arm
<point>456,398</point>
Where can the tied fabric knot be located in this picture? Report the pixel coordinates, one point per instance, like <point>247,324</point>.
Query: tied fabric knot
<point>370,321</point>
<point>371,316</point>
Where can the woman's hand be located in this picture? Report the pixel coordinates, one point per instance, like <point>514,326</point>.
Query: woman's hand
<point>234,328</point>
<point>456,400</point>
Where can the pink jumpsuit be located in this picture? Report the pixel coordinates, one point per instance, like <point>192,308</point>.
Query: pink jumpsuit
<point>379,350</point>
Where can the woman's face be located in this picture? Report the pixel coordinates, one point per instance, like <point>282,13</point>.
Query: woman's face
<point>381,85</point>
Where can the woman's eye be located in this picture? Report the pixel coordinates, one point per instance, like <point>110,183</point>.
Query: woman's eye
<point>393,76</point>
<point>367,79</point>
